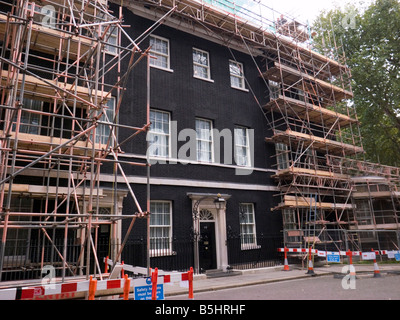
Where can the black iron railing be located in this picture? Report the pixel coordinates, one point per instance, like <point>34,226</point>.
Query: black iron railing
<point>26,259</point>
<point>254,252</point>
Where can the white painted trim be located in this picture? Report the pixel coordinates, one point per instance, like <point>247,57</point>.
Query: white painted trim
<point>168,181</point>
<point>204,79</point>
<point>191,183</point>
<point>185,161</point>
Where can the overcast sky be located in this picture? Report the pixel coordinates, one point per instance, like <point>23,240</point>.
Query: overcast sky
<point>302,10</point>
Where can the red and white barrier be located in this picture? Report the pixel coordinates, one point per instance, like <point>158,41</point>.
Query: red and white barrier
<point>390,253</point>
<point>92,288</point>
<point>171,278</point>
<point>370,255</point>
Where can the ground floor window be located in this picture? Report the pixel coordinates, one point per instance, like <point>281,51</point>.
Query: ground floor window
<point>160,225</point>
<point>247,225</point>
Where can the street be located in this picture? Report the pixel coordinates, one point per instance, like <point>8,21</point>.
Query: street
<point>365,287</point>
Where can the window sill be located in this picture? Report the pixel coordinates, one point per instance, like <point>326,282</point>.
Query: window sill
<point>250,246</point>
<point>205,79</point>
<point>240,89</point>
<point>162,68</point>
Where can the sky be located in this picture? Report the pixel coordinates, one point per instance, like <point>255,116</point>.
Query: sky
<point>303,10</point>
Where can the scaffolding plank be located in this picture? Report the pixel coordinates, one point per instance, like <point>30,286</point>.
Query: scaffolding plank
<point>53,41</point>
<point>36,87</point>
<point>42,143</point>
<point>280,72</point>
<point>305,110</point>
<point>306,202</point>
<point>51,191</point>
<point>334,147</point>
<point>312,172</point>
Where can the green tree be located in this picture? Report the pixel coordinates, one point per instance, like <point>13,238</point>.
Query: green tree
<point>370,37</point>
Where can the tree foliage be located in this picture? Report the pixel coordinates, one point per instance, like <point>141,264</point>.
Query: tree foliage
<point>370,37</point>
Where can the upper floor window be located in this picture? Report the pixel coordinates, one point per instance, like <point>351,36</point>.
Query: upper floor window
<point>237,75</point>
<point>201,64</point>
<point>160,52</point>
<point>274,89</point>
<point>103,130</point>
<point>204,140</point>
<point>45,16</point>
<point>30,121</point>
<point>159,134</point>
<point>111,36</point>
<point>282,156</point>
<point>242,146</point>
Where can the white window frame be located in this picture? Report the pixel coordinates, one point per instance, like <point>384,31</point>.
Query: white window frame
<point>101,135</point>
<point>210,141</point>
<point>163,250</point>
<point>282,156</point>
<point>156,54</point>
<point>161,135</point>
<point>274,90</point>
<point>240,77</point>
<point>112,33</point>
<point>26,124</point>
<point>200,65</point>
<point>248,223</point>
<point>239,146</point>
<point>110,47</point>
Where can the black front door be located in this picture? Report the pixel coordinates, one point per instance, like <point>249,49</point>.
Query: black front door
<point>207,250</point>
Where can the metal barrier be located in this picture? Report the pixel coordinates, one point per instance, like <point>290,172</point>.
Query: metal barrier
<point>92,288</point>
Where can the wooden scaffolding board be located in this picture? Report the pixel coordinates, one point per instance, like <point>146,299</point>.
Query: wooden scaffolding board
<point>53,41</point>
<point>47,89</point>
<point>288,75</point>
<point>319,143</point>
<point>312,172</point>
<point>307,202</point>
<point>41,143</point>
<point>308,111</point>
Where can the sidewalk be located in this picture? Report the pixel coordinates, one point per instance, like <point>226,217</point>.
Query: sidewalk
<point>267,275</point>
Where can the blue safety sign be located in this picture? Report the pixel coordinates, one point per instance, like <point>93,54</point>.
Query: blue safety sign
<point>333,258</point>
<point>144,292</point>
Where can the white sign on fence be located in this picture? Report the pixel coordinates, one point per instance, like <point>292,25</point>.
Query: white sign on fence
<point>368,256</point>
<point>321,253</point>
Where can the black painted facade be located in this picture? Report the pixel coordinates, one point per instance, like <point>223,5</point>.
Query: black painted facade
<point>187,98</point>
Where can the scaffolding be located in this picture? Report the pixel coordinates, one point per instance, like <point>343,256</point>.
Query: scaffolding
<point>62,87</point>
<point>310,112</point>
<point>59,123</point>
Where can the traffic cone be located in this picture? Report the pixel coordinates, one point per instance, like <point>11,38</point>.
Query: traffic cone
<point>310,264</point>
<point>377,273</point>
<point>286,264</point>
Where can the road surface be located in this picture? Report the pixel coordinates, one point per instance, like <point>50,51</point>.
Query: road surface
<point>364,287</point>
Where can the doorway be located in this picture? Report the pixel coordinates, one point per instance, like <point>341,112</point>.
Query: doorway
<point>207,246</point>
